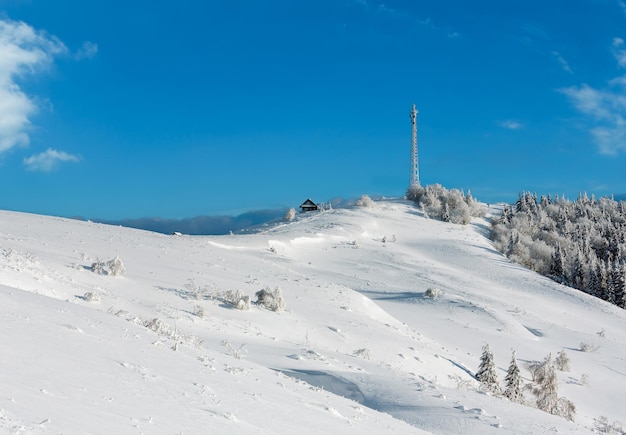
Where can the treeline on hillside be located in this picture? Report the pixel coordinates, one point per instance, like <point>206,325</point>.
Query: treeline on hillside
<point>579,243</point>
<point>448,205</point>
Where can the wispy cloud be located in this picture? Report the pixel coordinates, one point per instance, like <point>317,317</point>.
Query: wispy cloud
<point>606,107</point>
<point>401,14</point>
<point>87,51</point>
<point>564,63</point>
<point>619,52</point>
<point>49,160</point>
<point>23,51</point>
<point>511,124</point>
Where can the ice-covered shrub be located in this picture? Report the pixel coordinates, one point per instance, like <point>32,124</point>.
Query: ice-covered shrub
<point>157,325</point>
<point>562,361</point>
<point>113,267</point>
<point>238,353</point>
<point>586,347</point>
<point>270,299</point>
<point>91,297</point>
<point>362,353</point>
<point>199,311</point>
<point>603,425</point>
<point>290,215</point>
<point>448,205</point>
<point>431,292</point>
<point>237,299</point>
<point>197,291</point>
<point>98,267</point>
<point>116,267</point>
<point>365,201</point>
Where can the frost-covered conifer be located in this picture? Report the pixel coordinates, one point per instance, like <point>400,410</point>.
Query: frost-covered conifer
<point>513,381</point>
<point>579,243</point>
<point>486,373</point>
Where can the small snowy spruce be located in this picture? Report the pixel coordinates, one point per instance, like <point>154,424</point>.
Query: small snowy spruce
<point>486,373</point>
<point>513,382</point>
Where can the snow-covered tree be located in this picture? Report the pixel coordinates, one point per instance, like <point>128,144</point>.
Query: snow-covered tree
<point>545,387</point>
<point>486,373</point>
<point>562,361</point>
<point>365,201</point>
<point>448,205</point>
<point>513,382</point>
<point>557,265</point>
<point>580,243</point>
<point>290,215</point>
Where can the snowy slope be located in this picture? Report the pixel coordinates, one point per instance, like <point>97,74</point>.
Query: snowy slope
<point>359,349</point>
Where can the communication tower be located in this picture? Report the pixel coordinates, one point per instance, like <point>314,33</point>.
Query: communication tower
<point>415,174</point>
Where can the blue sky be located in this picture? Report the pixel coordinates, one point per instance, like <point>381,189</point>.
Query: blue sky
<point>112,109</point>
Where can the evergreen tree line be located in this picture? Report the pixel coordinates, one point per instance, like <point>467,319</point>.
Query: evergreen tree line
<point>579,243</point>
<point>544,385</point>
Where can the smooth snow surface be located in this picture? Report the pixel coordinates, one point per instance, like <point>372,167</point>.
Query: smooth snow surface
<point>359,348</point>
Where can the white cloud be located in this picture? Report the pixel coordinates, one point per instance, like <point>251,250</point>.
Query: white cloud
<point>511,124</point>
<point>87,51</point>
<point>619,52</point>
<point>48,160</point>
<point>23,51</point>
<point>606,107</point>
<point>561,60</point>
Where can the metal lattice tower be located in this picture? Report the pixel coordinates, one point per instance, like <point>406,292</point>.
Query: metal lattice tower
<point>415,174</point>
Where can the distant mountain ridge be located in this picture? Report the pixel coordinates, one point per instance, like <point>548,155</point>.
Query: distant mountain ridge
<point>201,225</point>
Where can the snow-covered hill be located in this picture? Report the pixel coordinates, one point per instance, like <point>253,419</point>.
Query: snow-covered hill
<point>359,348</point>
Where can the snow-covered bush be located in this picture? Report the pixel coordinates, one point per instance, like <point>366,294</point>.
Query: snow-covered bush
<point>603,425</point>
<point>562,361</point>
<point>290,215</point>
<point>98,267</point>
<point>197,291</point>
<point>200,312</point>
<point>237,300</point>
<point>157,325</point>
<point>238,353</point>
<point>270,299</point>
<point>365,201</point>
<point>447,205</point>
<point>116,267</point>
<point>362,353</point>
<point>91,297</point>
<point>113,267</point>
<point>586,347</point>
<point>431,292</point>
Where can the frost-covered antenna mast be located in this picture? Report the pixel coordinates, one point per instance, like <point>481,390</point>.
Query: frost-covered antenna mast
<point>415,174</point>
